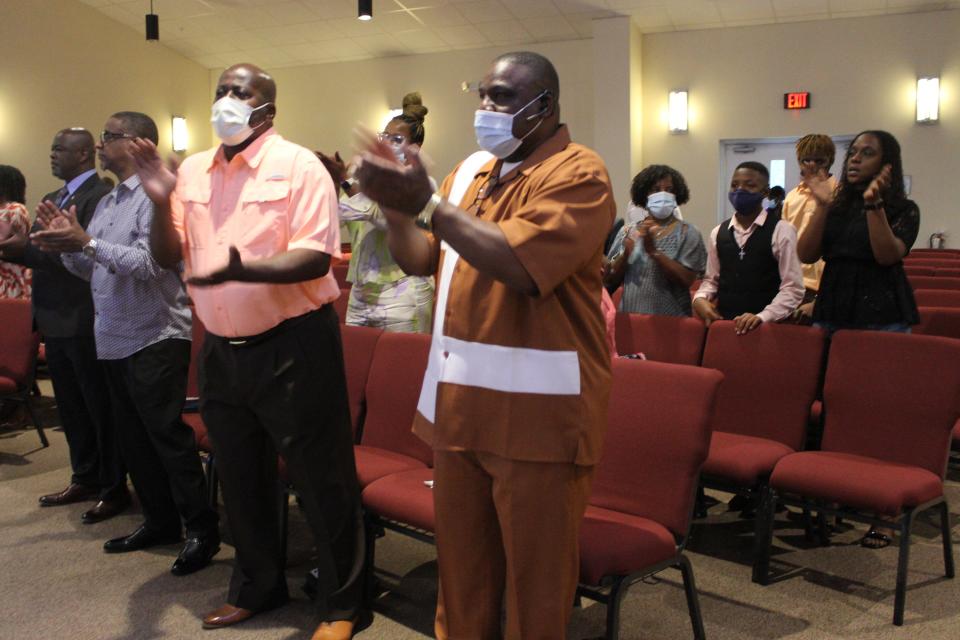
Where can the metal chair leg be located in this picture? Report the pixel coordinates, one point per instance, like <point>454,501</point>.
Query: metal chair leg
<point>693,599</point>
<point>212,481</point>
<point>901,593</point>
<point>948,570</point>
<point>823,529</point>
<point>763,536</point>
<point>617,592</point>
<point>33,419</point>
<point>284,522</point>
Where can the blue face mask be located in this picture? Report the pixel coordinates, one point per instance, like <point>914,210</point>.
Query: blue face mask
<point>746,202</point>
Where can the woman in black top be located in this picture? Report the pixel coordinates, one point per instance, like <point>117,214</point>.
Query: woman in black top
<point>863,231</point>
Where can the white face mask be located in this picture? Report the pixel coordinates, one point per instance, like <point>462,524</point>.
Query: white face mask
<point>661,205</point>
<point>231,120</point>
<point>495,130</point>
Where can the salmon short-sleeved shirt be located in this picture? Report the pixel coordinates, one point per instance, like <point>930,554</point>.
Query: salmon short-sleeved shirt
<point>272,197</point>
<point>525,377</point>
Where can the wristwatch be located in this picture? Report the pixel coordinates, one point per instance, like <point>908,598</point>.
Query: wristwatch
<point>425,217</point>
<point>346,185</point>
<point>90,249</point>
<point>868,206</point>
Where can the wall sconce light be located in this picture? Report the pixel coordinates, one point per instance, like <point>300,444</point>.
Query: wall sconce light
<point>178,132</point>
<point>677,111</point>
<point>928,99</point>
<point>391,114</point>
<point>364,9</point>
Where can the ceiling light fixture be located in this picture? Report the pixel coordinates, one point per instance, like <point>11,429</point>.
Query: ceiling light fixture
<point>153,24</point>
<point>364,9</point>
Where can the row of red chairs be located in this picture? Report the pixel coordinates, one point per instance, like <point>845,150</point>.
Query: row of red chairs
<point>19,348</point>
<point>928,271</point>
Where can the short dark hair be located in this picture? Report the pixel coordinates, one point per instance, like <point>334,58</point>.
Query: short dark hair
<point>759,167</point>
<point>644,181</point>
<point>778,192</point>
<point>13,186</point>
<point>139,124</point>
<point>541,68</point>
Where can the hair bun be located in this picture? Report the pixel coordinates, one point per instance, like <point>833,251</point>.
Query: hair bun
<point>413,106</point>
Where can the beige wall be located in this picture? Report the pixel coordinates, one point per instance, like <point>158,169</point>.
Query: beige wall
<point>318,106</point>
<point>65,64</point>
<point>861,73</point>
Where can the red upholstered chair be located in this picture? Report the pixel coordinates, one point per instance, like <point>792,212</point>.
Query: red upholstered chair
<point>661,338</point>
<point>926,261</point>
<point>617,296</point>
<point>403,501</point>
<point>340,305</point>
<point>923,252</point>
<point>951,272</point>
<point>358,347</point>
<point>191,410</point>
<point>934,282</point>
<point>891,402</point>
<point>937,297</point>
<point>919,271</point>
<point>340,273</point>
<point>638,517</point>
<point>19,345</point>
<point>387,444</point>
<point>939,321</point>
<point>771,377</point>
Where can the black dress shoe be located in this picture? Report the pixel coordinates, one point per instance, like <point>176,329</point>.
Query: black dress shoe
<point>196,554</point>
<point>142,538</point>
<point>73,493</point>
<point>104,510</point>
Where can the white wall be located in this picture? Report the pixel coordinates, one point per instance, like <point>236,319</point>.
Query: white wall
<point>66,64</point>
<point>318,106</point>
<point>861,74</point>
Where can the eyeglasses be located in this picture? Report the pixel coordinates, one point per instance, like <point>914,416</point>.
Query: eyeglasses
<point>107,137</point>
<point>392,138</point>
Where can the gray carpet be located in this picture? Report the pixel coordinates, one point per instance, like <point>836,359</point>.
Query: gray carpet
<point>57,583</point>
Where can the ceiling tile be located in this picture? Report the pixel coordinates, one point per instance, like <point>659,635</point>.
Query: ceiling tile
<point>532,9</point>
<point>479,11</point>
<point>746,10</point>
<point>694,12</point>
<point>382,45</point>
<point>850,6</point>
<point>442,16</point>
<point>556,28</point>
<point>289,12</point>
<point>267,58</point>
<point>462,36</point>
<point>581,6</point>
<point>653,18</point>
<point>356,28</point>
<point>634,6</point>
<point>419,39</point>
<point>787,8</point>
<point>333,9</point>
<point>504,32</point>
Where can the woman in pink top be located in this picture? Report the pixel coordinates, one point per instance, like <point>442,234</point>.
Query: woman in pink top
<point>14,217</point>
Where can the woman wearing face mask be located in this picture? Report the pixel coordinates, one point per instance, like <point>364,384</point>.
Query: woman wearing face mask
<point>863,232</point>
<point>382,295</point>
<point>656,255</point>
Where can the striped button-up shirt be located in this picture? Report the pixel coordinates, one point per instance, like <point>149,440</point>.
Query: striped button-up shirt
<point>136,302</point>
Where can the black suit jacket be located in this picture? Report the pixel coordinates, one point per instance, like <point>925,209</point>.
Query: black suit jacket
<point>62,305</point>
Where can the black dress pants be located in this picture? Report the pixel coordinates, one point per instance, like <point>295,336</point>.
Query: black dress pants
<point>83,402</point>
<point>147,391</point>
<point>285,392</point>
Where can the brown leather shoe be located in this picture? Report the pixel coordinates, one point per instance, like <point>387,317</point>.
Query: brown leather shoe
<point>226,616</point>
<point>104,510</point>
<point>73,493</point>
<point>336,630</point>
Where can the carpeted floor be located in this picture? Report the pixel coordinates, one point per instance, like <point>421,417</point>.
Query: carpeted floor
<point>57,582</point>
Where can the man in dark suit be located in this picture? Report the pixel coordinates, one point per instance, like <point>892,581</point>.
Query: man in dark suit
<point>63,312</point>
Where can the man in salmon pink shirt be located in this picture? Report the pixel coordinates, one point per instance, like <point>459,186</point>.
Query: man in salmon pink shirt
<point>255,222</point>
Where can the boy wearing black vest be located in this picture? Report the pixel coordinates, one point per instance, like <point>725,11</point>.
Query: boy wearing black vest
<point>753,272</point>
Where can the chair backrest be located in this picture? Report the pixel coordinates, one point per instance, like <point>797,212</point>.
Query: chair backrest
<point>198,331</point>
<point>18,341</point>
<point>892,396</point>
<point>340,274</point>
<point>358,347</point>
<point>661,338</point>
<point>937,297</point>
<point>924,252</point>
<point>658,435</point>
<point>924,261</point>
<point>919,271</point>
<point>934,282</point>
<point>340,305</point>
<point>770,379</point>
<point>939,321</point>
<point>393,389</point>
<point>952,272</point>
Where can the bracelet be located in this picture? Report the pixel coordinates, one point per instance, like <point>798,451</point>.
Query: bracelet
<point>873,206</point>
<point>425,217</point>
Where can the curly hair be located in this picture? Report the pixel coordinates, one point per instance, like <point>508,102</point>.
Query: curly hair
<point>413,115</point>
<point>13,186</point>
<point>850,196</point>
<point>644,181</point>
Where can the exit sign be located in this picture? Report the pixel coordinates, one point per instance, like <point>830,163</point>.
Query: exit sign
<point>796,100</point>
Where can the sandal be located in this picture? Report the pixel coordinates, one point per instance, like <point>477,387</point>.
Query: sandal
<point>874,539</point>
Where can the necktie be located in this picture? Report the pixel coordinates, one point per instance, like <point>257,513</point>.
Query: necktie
<point>62,196</point>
